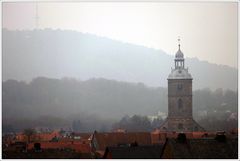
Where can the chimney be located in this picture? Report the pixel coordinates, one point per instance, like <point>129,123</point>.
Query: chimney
<point>134,144</point>
<point>220,136</point>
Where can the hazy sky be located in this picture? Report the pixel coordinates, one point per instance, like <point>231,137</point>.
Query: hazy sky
<point>207,30</point>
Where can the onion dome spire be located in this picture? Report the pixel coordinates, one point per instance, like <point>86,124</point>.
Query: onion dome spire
<point>179,54</point>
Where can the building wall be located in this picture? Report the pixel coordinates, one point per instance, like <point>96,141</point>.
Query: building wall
<point>186,124</point>
<point>180,89</point>
<point>179,105</point>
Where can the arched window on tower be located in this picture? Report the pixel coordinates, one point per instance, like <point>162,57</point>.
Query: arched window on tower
<point>179,86</point>
<point>180,104</point>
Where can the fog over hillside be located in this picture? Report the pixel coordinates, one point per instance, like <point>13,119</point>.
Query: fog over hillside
<point>65,97</point>
<point>63,53</point>
<point>98,103</point>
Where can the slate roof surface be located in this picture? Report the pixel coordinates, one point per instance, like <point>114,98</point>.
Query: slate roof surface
<point>204,149</point>
<point>113,139</point>
<point>136,152</point>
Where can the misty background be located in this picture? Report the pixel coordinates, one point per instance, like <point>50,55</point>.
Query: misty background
<point>62,53</point>
<point>73,80</point>
<point>208,30</point>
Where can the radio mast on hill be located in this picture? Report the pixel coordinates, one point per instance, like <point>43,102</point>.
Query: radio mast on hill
<point>36,16</point>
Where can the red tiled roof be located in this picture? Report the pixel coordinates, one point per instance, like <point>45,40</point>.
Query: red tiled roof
<point>40,136</point>
<point>158,138</point>
<point>81,148</point>
<point>113,139</point>
<point>65,139</point>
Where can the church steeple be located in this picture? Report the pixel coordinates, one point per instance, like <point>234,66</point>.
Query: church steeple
<point>179,57</point>
<point>180,118</point>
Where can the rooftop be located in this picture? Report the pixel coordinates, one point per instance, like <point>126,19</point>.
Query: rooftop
<point>179,73</point>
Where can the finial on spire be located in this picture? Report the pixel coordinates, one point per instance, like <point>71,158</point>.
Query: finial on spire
<point>179,42</point>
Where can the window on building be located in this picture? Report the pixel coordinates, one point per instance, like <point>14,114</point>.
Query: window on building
<point>180,104</point>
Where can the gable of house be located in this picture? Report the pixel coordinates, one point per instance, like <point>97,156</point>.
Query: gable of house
<point>134,152</point>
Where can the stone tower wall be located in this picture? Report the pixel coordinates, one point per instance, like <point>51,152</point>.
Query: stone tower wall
<point>180,98</point>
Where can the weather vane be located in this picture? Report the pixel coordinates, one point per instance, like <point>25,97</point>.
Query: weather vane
<point>179,42</point>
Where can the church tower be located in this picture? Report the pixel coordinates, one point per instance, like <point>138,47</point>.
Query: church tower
<point>180,117</point>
